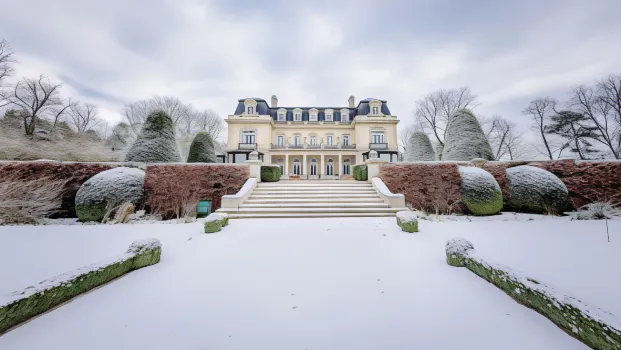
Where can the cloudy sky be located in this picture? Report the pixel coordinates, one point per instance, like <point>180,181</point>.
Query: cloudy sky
<point>210,53</point>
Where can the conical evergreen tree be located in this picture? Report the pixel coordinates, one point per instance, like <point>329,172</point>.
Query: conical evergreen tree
<point>202,149</point>
<point>156,142</point>
<point>465,140</point>
<point>419,148</point>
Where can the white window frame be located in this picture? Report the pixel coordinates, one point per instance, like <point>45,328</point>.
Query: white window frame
<point>312,140</point>
<point>250,107</point>
<point>250,134</point>
<point>329,139</point>
<point>375,108</point>
<point>329,115</point>
<point>297,115</point>
<point>280,140</point>
<point>377,136</point>
<point>345,112</point>
<point>297,140</point>
<point>313,114</point>
<point>345,140</point>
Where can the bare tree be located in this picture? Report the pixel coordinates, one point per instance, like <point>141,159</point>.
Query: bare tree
<point>6,70</point>
<point>403,137</point>
<point>609,95</point>
<point>38,99</point>
<point>136,112</point>
<point>540,111</point>
<point>209,121</point>
<point>505,141</point>
<point>84,116</point>
<point>434,110</point>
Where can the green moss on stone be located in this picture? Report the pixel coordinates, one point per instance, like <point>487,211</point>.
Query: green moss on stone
<point>91,212</point>
<point>408,226</point>
<point>490,206</point>
<point>212,226</point>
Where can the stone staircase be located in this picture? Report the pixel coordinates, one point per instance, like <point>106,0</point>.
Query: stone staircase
<point>324,198</point>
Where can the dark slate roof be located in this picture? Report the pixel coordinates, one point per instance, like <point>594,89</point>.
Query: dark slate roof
<point>264,109</point>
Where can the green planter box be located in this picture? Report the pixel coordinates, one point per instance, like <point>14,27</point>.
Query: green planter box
<point>203,208</point>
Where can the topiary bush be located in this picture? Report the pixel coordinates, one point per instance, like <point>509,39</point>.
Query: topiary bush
<point>480,191</point>
<point>532,189</point>
<point>202,149</point>
<point>360,172</point>
<point>419,148</point>
<point>156,142</point>
<point>107,190</point>
<point>408,221</point>
<point>465,140</point>
<point>270,173</point>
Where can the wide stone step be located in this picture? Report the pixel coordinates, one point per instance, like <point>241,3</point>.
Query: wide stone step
<point>276,184</point>
<point>310,210</point>
<point>330,205</point>
<point>276,200</point>
<point>333,192</point>
<point>312,195</point>
<point>306,215</point>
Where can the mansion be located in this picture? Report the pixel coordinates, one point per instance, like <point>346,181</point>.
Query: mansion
<point>311,142</point>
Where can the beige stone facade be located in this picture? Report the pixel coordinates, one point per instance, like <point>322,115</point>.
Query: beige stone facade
<point>311,142</point>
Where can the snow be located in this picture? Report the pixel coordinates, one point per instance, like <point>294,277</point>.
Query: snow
<point>465,139</point>
<point>477,179</point>
<point>459,246</point>
<point>156,141</point>
<point>535,189</point>
<point>144,244</point>
<point>357,283</point>
<point>407,216</point>
<point>419,148</point>
<point>383,189</point>
<point>117,185</point>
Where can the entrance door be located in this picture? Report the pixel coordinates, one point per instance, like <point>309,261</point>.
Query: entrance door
<point>313,166</point>
<point>346,167</point>
<point>330,167</point>
<point>297,167</point>
<point>282,167</point>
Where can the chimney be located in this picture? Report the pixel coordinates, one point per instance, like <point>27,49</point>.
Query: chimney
<point>352,101</point>
<point>274,101</point>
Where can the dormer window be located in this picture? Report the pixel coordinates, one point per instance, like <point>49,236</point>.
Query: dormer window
<point>282,115</point>
<point>250,107</point>
<point>329,115</point>
<point>312,114</point>
<point>297,115</point>
<point>344,115</point>
<point>375,107</point>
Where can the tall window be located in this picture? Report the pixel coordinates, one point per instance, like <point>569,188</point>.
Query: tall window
<point>375,110</point>
<point>281,117</point>
<point>248,137</point>
<point>329,139</point>
<point>281,140</point>
<point>313,140</point>
<point>344,116</point>
<point>250,110</point>
<point>329,117</point>
<point>298,117</point>
<point>345,140</point>
<point>313,116</point>
<point>377,137</point>
<point>296,140</point>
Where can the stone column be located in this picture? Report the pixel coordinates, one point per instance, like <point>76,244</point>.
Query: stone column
<point>321,167</point>
<point>287,164</point>
<point>255,165</point>
<point>304,164</point>
<point>340,165</point>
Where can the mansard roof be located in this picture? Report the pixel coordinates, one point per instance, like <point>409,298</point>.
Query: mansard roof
<point>264,109</point>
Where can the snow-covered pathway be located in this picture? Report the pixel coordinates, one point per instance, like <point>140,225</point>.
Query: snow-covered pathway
<point>289,284</point>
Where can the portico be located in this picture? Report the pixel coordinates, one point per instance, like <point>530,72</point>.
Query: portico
<point>314,165</point>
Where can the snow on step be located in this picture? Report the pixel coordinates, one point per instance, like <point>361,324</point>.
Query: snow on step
<point>306,215</point>
<point>315,205</point>
<point>269,200</point>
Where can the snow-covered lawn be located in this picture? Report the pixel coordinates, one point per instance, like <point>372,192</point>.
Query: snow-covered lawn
<point>311,284</point>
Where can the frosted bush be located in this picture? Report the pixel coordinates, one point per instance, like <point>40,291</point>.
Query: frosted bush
<point>156,142</point>
<point>533,189</point>
<point>597,211</point>
<point>408,221</point>
<point>480,191</point>
<point>202,149</point>
<point>456,249</point>
<point>107,190</point>
<point>419,148</point>
<point>465,140</point>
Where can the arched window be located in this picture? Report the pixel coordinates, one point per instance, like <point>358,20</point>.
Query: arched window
<point>330,167</point>
<point>297,168</point>
<point>346,166</point>
<point>313,166</point>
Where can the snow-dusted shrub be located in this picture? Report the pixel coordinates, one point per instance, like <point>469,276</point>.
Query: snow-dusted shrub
<point>408,221</point>
<point>214,222</point>
<point>596,328</point>
<point>465,140</point>
<point>480,191</point>
<point>225,218</point>
<point>202,149</point>
<point>108,190</point>
<point>34,300</point>
<point>456,249</point>
<point>597,211</point>
<point>156,142</point>
<point>419,148</point>
<point>532,189</point>
<point>24,201</point>
<point>270,173</point>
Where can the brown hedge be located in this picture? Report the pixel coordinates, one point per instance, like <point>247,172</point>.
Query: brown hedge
<point>169,186</point>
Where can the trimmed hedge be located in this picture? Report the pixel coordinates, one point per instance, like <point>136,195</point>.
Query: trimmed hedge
<point>215,222</point>
<point>408,221</point>
<point>594,327</point>
<point>202,149</point>
<point>270,173</point>
<point>480,191</point>
<point>32,301</point>
<point>360,172</point>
